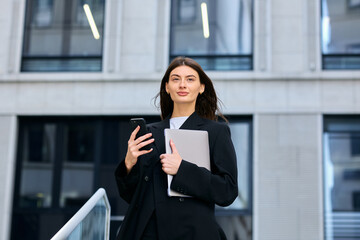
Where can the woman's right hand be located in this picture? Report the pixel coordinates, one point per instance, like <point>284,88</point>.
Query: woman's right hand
<point>134,146</point>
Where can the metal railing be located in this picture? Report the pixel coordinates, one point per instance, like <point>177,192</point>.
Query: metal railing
<point>91,222</point>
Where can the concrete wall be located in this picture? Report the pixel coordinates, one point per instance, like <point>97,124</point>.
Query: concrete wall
<point>7,171</point>
<point>287,171</point>
<point>287,93</point>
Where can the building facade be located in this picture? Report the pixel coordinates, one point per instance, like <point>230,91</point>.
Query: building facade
<point>287,72</point>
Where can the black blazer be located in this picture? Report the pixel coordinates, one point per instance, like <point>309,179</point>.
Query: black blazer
<point>145,188</point>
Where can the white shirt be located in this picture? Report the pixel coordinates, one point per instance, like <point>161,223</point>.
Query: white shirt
<point>175,123</point>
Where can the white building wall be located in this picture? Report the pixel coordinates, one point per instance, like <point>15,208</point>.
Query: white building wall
<point>287,93</point>
<point>7,171</point>
<point>288,183</point>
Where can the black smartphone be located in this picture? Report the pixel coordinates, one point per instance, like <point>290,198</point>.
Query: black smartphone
<point>134,122</point>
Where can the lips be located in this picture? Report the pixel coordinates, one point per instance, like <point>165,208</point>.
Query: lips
<point>182,93</point>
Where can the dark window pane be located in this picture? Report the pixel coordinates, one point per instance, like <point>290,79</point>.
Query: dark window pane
<point>111,146</point>
<point>58,36</point>
<point>340,34</point>
<point>341,61</point>
<point>240,132</point>
<point>343,170</point>
<point>80,142</point>
<point>61,64</point>
<point>77,178</point>
<point>223,62</point>
<point>71,157</point>
<point>355,145</point>
<point>356,200</point>
<point>38,152</point>
<point>77,184</point>
<point>222,41</point>
<point>35,226</point>
<point>236,219</point>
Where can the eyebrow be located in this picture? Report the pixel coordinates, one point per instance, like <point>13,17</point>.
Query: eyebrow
<point>177,75</point>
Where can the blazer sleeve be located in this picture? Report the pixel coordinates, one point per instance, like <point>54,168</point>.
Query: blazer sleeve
<point>127,183</point>
<point>218,186</point>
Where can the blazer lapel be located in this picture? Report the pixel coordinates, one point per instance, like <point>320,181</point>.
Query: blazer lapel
<point>158,134</point>
<point>194,122</point>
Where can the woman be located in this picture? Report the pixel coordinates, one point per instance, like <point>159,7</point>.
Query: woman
<point>187,101</point>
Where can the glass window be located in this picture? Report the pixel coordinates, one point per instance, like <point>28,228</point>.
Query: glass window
<point>216,33</point>
<point>37,155</point>
<point>79,142</point>
<point>62,161</point>
<point>340,34</point>
<point>77,176</point>
<point>63,35</point>
<point>236,219</point>
<point>342,177</point>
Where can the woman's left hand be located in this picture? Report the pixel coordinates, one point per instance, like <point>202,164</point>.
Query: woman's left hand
<point>171,162</point>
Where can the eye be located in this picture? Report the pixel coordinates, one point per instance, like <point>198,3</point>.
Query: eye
<point>175,79</point>
<point>191,79</point>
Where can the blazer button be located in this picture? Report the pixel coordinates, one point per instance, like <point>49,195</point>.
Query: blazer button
<point>181,199</point>
<point>146,178</point>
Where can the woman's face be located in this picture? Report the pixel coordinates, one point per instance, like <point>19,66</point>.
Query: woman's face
<point>184,85</point>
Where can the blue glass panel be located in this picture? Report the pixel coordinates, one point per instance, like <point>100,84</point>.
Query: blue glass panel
<point>61,64</point>
<point>339,62</point>
<point>93,226</point>
<point>341,178</point>
<point>340,34</point>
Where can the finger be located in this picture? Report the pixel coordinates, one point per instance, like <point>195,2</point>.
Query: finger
<point>173,147</point>
<point>142,152</point>
<point>167,164</point>
<point>142,144</point>
<point>133,134</point>
<point>142,138</point>
<point>167,170</point>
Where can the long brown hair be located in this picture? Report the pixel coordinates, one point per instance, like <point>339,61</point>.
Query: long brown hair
<point>206,103</point>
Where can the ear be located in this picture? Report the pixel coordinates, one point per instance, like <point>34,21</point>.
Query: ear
<point>202,88</point>
<point>166,88</point>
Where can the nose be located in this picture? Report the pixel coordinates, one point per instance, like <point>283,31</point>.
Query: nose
<point>183,83</point>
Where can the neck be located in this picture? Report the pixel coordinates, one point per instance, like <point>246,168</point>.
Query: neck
<point>182,110</point>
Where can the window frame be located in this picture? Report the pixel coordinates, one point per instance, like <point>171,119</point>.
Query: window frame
<point>213,57</point>
<point>343,58</point>
<point>327,120</point>
<point>61,62</point>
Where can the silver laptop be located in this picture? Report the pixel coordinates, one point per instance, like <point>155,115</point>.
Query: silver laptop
<point>192,145</point>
